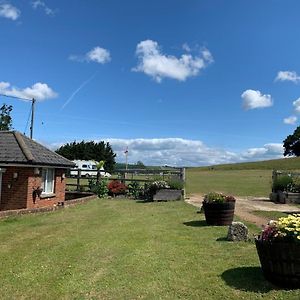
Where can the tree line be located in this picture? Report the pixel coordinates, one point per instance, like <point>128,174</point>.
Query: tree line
<point>89,151</point>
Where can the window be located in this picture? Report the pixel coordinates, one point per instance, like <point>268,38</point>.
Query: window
<point>48,181</point>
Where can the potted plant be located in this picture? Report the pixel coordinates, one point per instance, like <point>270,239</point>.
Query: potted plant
<point>280,186</point>
<point>278,248</point>
<point>218,209</point>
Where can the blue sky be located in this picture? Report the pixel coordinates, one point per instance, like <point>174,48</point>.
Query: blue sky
<point>177,82</point>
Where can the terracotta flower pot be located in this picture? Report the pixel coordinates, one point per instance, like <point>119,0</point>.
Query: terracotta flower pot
<point>219,214</point>
<point>280,262</point>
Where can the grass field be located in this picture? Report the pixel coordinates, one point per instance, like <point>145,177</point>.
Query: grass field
<point>121,249</point>
<point>234,182</point>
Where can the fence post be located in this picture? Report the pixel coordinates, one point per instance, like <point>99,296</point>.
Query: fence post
<point>182,178</point>
<point>78,180</point>
<point>274,178</point>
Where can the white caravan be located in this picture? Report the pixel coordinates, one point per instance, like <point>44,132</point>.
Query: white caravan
<point>88,168</point>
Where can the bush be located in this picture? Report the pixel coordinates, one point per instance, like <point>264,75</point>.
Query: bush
<point>150,189</point>
<point>176,184</point>
<point>135,190</point>
<point>100,188</point>
<point>116,187</point>
<point>282,183</point>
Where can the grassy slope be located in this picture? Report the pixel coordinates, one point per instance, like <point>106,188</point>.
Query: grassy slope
<point>242,179</point>
<point>120,249</point>
<point>292,163</point>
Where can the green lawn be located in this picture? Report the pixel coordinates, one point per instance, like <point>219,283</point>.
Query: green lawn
<point>121,249</point>
<point>235,182</point>
<point>271,215</point>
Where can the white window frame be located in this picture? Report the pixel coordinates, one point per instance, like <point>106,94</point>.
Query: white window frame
<point>45,181</point>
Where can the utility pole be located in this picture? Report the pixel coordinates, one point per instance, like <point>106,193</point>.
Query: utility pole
<point>126,158</point>
<point>32,117</point>
<point>126,164</point>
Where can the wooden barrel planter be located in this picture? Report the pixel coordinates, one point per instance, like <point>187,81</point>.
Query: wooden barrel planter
<point>280,262</point>
<point>219,214</point>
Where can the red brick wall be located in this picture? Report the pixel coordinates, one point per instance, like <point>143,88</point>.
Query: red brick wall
<point>14,191</point>
<point>18,193</point>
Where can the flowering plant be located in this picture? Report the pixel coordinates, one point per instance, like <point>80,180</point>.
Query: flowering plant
<point>116,187</point>
<point>151,188</point>
<point>217,198</point>
<point>286,229</point>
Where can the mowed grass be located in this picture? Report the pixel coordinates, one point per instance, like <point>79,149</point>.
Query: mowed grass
<point>233,182</point>
<point>121,249</point>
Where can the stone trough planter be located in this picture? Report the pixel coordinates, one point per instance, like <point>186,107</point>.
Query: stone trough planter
<point>168,195</point>
<point>285,197</point>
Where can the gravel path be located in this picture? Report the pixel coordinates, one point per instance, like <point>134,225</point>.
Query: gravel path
<point>244,207</point>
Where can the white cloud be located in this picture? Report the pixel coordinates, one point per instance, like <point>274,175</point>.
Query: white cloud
<point>268,151</point>
<point>186,47</point>
<point>9,11</point>
<point>97,54</point>
<point>157,65</point>
<point>255,99</point>
<point>290,120</point>
<point>287,76</point>
<point>39,91</point>
<point>184,152</point>
<point>296,105</point>
<point>41,4</point>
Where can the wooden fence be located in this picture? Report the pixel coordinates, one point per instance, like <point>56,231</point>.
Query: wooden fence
<point>80,182</point>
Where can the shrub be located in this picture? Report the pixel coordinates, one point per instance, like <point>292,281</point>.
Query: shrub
<point>176,184</point>
<point>116,187</point>
<point>99,188</point>
<point>294,187</point>
<point>282,183</point>
<point>150,189</point>
<point>135,190</point>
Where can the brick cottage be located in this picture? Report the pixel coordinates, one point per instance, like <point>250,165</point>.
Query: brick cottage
<point>31,176</point>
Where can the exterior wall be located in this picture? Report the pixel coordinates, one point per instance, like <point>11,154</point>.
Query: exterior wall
<point>19,193</point>
<point>14,191</point>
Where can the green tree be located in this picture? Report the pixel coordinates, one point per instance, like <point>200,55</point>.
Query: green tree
<point>5,118</point>
<point>292,143</point>
<point>140,165</point>
<point>90,151</point>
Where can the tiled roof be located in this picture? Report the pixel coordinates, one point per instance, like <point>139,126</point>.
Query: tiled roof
<point>16,148</point>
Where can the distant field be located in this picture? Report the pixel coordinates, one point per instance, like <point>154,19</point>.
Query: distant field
<point>233,182</point>
<point>241,179</point>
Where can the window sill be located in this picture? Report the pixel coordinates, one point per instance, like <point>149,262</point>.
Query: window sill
<point>49,195</point>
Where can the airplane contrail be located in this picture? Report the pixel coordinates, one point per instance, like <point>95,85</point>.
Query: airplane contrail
<point>78,90</point>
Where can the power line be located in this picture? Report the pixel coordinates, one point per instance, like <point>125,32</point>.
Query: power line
<point>32,110</point>
<point>15,97</point>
